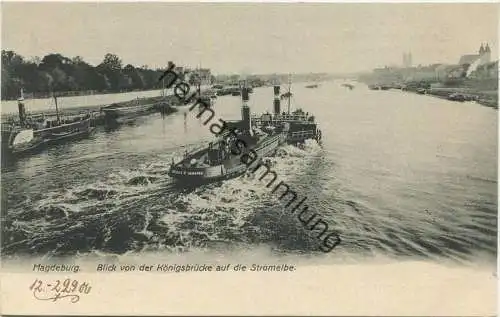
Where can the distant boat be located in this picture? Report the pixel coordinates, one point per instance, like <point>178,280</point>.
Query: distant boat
<point>312,86</point>
<point>457,97</point>
<point>286,95</point>
<point>209,94</point>
<point>350,86</point>
<point>233,90</point>
<point>379,87</point>
<point>35,132</point>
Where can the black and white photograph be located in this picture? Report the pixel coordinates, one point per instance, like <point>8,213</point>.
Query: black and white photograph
<point>321,158</point>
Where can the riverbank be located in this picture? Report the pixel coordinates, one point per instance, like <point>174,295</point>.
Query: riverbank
<point>487,98</point>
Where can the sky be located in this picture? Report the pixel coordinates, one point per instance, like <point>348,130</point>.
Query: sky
<point>252,37</point>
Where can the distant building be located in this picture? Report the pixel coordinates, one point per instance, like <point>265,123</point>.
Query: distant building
<point>484,54</point>
<point>407,60</point>
<point>424,73</point>
<point>204,75</point>
<point>444,71</point>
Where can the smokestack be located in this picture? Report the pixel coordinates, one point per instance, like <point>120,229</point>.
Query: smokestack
<point>244,95</point>
<point>22,111</point>
<point>277,109</point>
<point>21,108</point>
<point>245,111</point>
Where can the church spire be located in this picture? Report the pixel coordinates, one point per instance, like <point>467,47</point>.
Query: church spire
<point>487,49</point>
<point>481,50</point>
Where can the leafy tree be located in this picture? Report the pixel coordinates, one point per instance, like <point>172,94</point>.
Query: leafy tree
<point>111,67</point>
<point>111,62</point>
<point>57,72</point>
<point>10,58</point>
<point>136,81</point>
<point>52,61</point>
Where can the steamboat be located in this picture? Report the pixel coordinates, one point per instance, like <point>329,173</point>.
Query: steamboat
<point>222,159</point>
<point>301,125</point>
<point>35,132</point>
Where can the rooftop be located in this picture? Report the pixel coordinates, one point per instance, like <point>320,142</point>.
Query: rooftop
<point>468,59</point>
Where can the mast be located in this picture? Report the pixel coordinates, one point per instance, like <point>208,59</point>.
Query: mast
<point>163,87</point>
<point>289,91</point>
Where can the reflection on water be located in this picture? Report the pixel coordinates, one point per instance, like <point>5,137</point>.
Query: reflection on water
<point>398,174</point>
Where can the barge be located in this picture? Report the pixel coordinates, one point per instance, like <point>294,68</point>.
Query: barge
<point>116,113</point>
<point>312,86</point>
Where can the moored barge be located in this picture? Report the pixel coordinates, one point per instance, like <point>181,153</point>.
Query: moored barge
<point>121,113</point>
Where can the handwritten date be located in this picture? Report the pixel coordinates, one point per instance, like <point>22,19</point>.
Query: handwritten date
<point>60,289</point>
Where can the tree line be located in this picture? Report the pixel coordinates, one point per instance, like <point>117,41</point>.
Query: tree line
<point>55,73</point>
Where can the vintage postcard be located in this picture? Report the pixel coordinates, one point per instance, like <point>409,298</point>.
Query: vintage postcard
<point>183,158</point>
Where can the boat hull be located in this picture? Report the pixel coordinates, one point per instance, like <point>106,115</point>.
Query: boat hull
<point>191,179</point>
<point>44,138</point>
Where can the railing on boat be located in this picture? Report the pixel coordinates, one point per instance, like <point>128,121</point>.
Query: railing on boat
<point>194,150</point>
<point>301,135</point>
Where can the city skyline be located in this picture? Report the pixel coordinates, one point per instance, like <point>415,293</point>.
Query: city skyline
<point>252,38</point>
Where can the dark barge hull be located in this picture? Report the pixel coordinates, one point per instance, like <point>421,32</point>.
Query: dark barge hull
<point>124,114</point>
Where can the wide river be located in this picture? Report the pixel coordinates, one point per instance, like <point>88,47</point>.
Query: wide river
<point>398,175</point>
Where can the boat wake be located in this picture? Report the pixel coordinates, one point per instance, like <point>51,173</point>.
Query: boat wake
<point>141,209</point>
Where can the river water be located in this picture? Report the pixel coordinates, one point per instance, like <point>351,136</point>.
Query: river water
<point>398,175</point>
